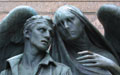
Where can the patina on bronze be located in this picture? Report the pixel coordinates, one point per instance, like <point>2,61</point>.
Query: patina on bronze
<point>11,33</point>
<point>35,60</point>
<point>109,16</point>
<point>75,34</point>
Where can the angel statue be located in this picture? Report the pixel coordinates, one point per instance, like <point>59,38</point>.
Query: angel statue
<point>11,33</point>
<point>79,45</point>
<point>75,43</point>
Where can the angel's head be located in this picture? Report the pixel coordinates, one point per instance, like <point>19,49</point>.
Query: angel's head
<point>37,30</point>
<point>67,22</point>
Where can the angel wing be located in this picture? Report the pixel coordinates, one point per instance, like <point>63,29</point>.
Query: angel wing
<point>109,16</point>
<point>11,32</point>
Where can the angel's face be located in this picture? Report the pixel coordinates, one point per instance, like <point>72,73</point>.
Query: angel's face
<point>40,35</point>
<point>70,27</point>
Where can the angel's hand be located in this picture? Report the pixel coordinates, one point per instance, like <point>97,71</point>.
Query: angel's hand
<point>92,59</point>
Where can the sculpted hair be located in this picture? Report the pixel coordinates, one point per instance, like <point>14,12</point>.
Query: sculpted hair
<point>30,23</point>
<point>65,52</point>
<point>63,11</point>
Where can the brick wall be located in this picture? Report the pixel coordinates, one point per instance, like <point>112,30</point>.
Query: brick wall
<point>48,7</point>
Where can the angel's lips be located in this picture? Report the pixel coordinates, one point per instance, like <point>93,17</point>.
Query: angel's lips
<point>72,32</point>
<point>45,42</point>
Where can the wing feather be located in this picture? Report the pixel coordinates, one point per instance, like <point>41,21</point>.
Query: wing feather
<point>109,16</point>
<point>11,32</point>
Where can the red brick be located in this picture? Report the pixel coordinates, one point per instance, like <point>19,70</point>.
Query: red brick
<point>52,6</point>
<point>65,0</point>
<point>2,16</point>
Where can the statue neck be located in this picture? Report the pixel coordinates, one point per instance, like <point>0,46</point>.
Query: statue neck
<point>31,55</point>
<point>82,43</point>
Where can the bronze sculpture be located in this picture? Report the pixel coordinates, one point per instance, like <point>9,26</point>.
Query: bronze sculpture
<point>74,33</point>
<point>109,16</point>
<point>76,46</point>
<point>11,33</point>
<point>35,59</point>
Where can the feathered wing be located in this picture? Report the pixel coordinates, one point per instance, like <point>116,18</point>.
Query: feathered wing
<point>109,16</point>
<point>11,32</point>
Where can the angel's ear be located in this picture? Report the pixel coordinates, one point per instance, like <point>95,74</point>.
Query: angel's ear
<point>26,34</point>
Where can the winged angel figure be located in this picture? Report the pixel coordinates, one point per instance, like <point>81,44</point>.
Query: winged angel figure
<point>80,46</point>
<point>12,41</point>
<point>11,32</point>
